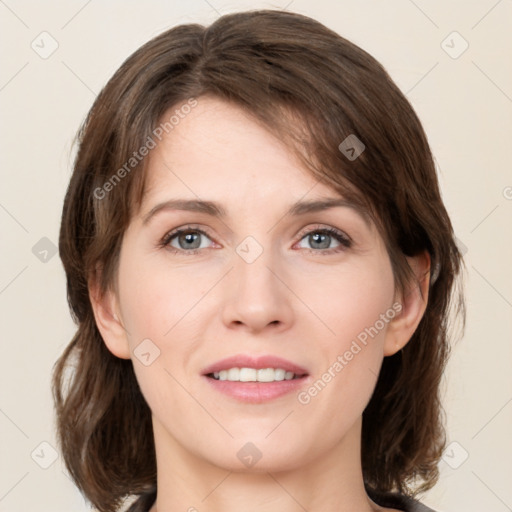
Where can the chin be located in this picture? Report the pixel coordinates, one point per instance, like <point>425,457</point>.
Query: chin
<point>258,454</point>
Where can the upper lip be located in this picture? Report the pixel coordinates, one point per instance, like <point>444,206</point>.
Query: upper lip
<point>257,362</point>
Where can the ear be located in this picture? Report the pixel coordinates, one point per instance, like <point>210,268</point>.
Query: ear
<point>413,304</point>
<point>108,319</point>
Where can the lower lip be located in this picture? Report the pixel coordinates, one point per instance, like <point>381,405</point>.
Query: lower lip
<point>256,392</point>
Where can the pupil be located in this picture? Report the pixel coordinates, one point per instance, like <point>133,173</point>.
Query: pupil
<point>321,236</point>
<point>191,237</point>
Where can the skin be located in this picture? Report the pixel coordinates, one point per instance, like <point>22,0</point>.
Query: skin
<point>297,300</point>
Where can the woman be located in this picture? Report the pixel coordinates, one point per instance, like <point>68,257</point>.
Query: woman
<point>261,267</point>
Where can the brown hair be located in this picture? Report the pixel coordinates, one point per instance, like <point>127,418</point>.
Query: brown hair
<point>313,89</point>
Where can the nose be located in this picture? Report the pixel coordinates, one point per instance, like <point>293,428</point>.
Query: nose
<point>257,295</point>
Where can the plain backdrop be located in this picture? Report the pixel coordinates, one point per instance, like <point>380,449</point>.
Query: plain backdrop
<point>453,61</point>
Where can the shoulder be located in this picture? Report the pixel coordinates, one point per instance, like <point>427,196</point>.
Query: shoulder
<point>398,501</point>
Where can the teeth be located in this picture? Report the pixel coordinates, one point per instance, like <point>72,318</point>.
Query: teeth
<point>253,375</point>
<point>233,374</point>
<point>248,375</point>
<point>279,374</point>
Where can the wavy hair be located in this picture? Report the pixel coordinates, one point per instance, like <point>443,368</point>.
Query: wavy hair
<point>313,89</point>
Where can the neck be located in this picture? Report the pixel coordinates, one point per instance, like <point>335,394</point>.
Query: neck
<point>332,481</point>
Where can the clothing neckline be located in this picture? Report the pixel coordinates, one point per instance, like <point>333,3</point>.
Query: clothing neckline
<point>396,500</point>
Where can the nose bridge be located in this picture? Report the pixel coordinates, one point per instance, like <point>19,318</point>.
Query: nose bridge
<point>259,297</point>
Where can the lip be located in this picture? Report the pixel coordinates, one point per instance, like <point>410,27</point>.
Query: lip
<point>257,362</point>
<point>256,392</point>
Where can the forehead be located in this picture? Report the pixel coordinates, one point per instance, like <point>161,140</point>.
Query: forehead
<point>218,149</point>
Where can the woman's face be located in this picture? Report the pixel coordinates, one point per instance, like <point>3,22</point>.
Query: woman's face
<point>258,283</point>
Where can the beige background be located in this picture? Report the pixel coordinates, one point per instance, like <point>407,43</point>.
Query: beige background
<point>465,104</point>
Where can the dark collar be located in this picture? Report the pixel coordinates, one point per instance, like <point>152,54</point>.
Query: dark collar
<point>398,501</point>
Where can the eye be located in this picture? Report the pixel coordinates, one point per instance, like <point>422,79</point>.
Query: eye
<point>191,240</point>
<point>320,240</point>
<point>187,239</point>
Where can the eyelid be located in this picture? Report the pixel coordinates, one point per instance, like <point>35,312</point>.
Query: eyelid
<point>344,241</point>
<point>323,227</point>
<point>188,227</point>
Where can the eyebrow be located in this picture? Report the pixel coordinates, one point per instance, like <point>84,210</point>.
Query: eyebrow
<point>217,210</point>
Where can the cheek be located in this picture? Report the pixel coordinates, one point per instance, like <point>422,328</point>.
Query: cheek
<point>357,308</point>
<point>157,300</point>
<point>158,307</point>
<point>163,309</point>
<point>351,300</point>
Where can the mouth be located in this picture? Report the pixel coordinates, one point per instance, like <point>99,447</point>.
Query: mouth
<point>255,379</point>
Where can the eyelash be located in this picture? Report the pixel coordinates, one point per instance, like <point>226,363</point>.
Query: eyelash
<point>344,241</point>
